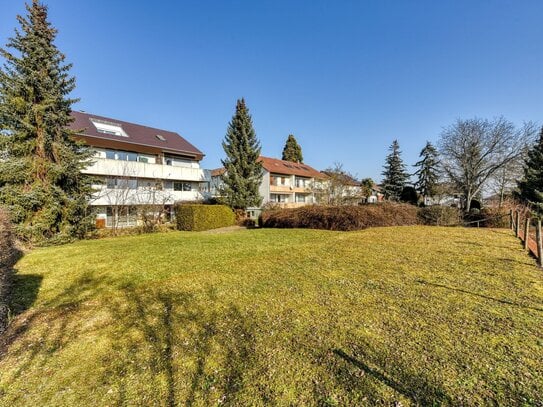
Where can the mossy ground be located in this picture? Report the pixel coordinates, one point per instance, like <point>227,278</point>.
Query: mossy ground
<point>416,315</point>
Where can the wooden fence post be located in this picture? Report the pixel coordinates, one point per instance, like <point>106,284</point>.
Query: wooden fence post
<point>539,243</point>
<point>517,224</point>
<point>511,218</point>
<point>526,232</point>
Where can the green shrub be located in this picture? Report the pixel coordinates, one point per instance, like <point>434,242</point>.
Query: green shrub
<point>203,217</point>
<point>341,217</point>
<point>8,256</point>
<point>437,215</point>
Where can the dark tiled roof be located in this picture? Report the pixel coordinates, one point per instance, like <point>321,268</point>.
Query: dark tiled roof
<point>167,141</point>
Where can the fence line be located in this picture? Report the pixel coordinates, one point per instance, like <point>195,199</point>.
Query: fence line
<point>534,246</point>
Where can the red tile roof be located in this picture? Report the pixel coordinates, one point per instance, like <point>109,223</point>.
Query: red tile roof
<point>137,135</point>
<point>277,166</point>
<point>289,168</point>
<point>218,171</point>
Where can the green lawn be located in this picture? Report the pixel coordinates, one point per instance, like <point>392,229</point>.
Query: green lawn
<point>416,315</point>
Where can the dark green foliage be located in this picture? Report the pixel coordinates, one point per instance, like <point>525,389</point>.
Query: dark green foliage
<point>366,186</point>
<point>8,256</point>
<point>203,217</point>
<point>409,195</point>
<point>243,173</point>
<point>438,215</point>
<point>292,150</point>
<point>428,172</point>
<point>530,188</point>
<point>394,173</point>
<point>341,217</point>
<point>40,176</point>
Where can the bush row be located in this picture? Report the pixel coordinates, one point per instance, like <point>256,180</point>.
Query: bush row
<point>437,215</point>
<point>203,217</point>
<point>342,217</point>
<point>8,254</point>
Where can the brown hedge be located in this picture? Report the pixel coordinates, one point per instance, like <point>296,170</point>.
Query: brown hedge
<point>8,254</point>
<point>342,217</point>
<point>203,217</point>
<point>437,215</point>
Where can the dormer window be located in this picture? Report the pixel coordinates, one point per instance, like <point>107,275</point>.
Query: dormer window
<point>161,138</point>
<point>108,128</point>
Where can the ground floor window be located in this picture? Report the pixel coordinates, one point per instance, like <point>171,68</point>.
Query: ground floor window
<point>182,186</point>
<point>302,198</point>
<point>121,216</point>
<point>280,198</point>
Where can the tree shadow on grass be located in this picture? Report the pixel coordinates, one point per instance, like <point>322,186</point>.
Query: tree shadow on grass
<point>24,291</point>
<point>198,348</point>
<point>376,368</point>
<point>186,346</point>
<point>486,297</point>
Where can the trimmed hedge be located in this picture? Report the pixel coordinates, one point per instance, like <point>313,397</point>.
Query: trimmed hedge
<point>8,255</point>
<point>437,215</point>
<point>342,217</point>
<point>203,217</point>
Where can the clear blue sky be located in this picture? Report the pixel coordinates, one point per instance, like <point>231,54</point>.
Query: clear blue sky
<point>345,77</point>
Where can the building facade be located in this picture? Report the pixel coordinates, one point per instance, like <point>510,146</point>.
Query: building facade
<point>284,183</point>
<point>138,168</point>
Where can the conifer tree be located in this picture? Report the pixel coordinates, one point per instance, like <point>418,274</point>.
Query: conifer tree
<point>428,171</point>
<point>243,173</point>
<point>530,188</point>
<point>292,150</point>
<point>394,174</point>
<point>40,171</point>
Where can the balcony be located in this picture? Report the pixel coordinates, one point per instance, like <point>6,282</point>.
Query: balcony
<point>141,196</point>
<point>117,168</point>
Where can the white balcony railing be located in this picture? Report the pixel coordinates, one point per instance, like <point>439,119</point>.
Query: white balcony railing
<point>117,168</point>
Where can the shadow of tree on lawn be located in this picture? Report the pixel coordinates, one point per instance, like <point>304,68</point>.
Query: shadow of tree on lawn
<point>486,297</point>
<point>197,348</point>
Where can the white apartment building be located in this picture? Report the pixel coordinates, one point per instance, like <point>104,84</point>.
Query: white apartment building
<point>285,183</point>
<point>138,167</point>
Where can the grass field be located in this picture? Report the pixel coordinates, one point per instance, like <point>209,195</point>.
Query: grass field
<point>413,315</point>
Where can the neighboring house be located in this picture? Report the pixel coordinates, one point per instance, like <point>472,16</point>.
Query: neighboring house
<point>284,183</point>
<point>138,168</point>
<point>376,195</point>
<point>340,188</point>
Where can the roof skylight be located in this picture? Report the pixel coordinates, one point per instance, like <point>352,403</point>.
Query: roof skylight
<point>161,138</point>
<point>109,128</point>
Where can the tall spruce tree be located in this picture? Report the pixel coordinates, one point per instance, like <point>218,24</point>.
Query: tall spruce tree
<point>243,173</point>
<point>530,188</point>
<point>394,173</point>
<point>40,173</point>
<point>428,171</point>
<point>292,150</point>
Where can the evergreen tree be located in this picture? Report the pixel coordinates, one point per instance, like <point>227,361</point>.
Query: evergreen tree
<point>40,171</point>
<point>243,173</point>
<point>292,150</point>
<point>530,188</point>
<point>394,174</point>
<point>428,171</point>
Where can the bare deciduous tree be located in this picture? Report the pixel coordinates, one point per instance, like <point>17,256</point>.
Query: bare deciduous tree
<point>505,180</point>
<point>340,187</point>
<point>474,150</point>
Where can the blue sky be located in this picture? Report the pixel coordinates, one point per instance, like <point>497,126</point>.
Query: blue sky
<point>345,77</point>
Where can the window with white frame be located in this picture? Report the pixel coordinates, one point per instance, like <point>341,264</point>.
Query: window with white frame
<point>108,128</point>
